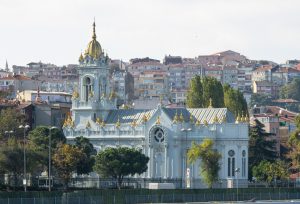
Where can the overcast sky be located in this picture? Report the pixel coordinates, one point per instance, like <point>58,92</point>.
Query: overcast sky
<point>56,31</point>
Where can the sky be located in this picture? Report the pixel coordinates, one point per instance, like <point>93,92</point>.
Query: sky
<point>56,31</point>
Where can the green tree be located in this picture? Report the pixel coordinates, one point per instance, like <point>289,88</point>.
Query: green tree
<point>201,91</point>
<point>120,162</point>
<point>65,161</point>
<point>212,89</point>
<point>12,160</point>
<point>39,142</point>
<point>85,166</point>
<point>261,145</point>
<point>195,93</point>
<point>291,90</point>
<point>258,99</point>
<point>210,158</point>
<point>10,119</point>
<point>267,171</point>
<point>235,101</point>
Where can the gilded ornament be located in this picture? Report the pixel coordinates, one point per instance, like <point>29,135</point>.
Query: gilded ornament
<point>191,119</point>
<point>216,120</point>
<point>118,124</point>
<point>175,119</point>
<point>238,119</point>
<point>133,123</point>
<point>197,123</point>
<point>157,121</point>
<point>181,118</point>
<point>81,58</point>
<point>210,103</point>
<point>145,119</point>
<point>98,121</point>
<point>88,124</point>
<point>102,123</point>
<point>75,95</point>
<point>205,122</point>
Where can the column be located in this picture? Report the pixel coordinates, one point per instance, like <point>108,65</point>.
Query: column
<point>149,155</point>
<point>166,161</point>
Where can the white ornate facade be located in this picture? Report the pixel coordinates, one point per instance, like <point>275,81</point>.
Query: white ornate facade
<point>163,134</point>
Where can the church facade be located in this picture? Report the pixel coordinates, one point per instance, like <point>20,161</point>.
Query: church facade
<point>163,134</point>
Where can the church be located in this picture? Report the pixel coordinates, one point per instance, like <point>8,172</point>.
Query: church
<point>163,134</point>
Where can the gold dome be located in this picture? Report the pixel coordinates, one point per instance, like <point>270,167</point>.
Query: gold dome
<point>94,49</point>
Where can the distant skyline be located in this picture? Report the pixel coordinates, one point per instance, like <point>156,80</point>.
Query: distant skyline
<point>56,31</point>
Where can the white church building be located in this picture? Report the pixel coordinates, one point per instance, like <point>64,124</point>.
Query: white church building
<point>163,134</point>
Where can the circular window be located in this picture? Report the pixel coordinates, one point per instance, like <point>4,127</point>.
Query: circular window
<point>159,135</point>
<point>231,153</point>
<point>244,153</point>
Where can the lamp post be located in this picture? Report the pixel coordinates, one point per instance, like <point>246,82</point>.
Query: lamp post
<point>24,127</point>
<point>237,170</point>
<point>9,133</point>
<point>49,157</point>
<point>186,130</point>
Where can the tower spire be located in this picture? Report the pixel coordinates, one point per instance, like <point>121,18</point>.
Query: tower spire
<point>6,66</point>
<point>94,30</point>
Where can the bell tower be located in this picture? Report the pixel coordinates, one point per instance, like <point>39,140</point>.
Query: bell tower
<point>93,98</point>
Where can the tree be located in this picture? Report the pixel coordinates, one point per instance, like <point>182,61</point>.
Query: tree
<point>10,119</point>
<point>11,159</point>
<point>85,166</point>
<point>195,93</point>
<point>210,165</point>
<point>235,101</point>
<point>291,90</point>
<point>212,89</point>
<point>39,142</point>
<point>65,160</point>
<point>258,99</point>
<point>120,162</point>
<point>261,145</point>
<point>270,171</point>
<point>201,91</point>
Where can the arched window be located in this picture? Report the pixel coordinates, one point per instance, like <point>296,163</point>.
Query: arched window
<point>244,163</point>
<point>87,83</point>
<point>231,163</point>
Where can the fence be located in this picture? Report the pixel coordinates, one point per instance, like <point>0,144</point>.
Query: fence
<point>134,196</point>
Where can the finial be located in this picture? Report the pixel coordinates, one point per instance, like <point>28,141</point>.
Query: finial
<point>238,119</point>
<point>81,58</point>
<point>118,124</point>
<point>175,119</point>
<point>246,118</point>
<point>205,122</point>
<point>94,30</point>
<point>145,119</point>
<point>216,120</point>
<point>102,123</point>
<point>191,119</point>
<point>133,123</point>
<point>210,103</point>
<point>197,123</point>
<point>181,118</point>
<point>88,124</point>
<point>157,121</point>
<point>98,121</point>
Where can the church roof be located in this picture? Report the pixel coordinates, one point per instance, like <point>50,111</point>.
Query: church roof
<point>201,114</point>
<point>127,116</point>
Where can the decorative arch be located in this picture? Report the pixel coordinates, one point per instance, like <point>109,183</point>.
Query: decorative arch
<point>157,135</point>
<point>87,87</point>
